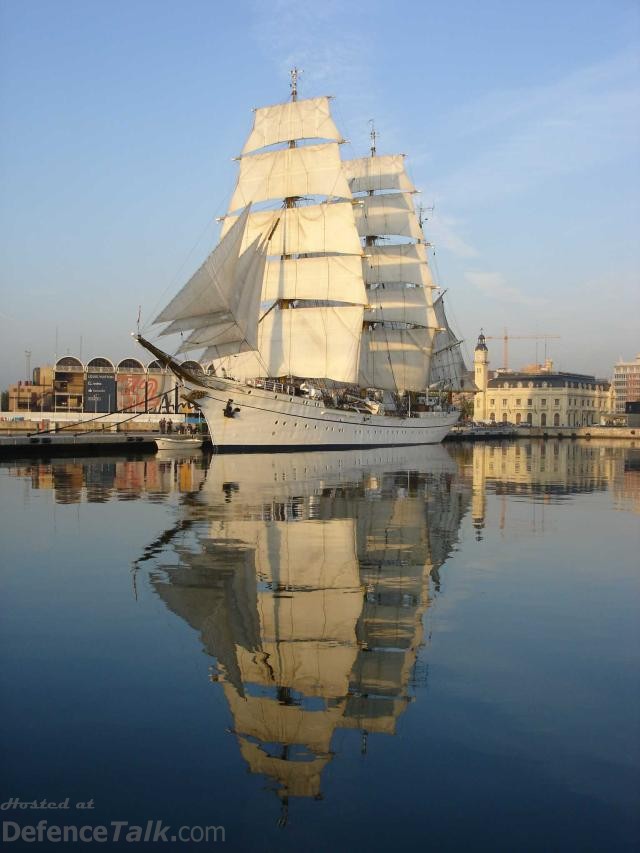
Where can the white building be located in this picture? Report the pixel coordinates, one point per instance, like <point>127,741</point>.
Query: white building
<point>626,383</point>
<point>539,397</point>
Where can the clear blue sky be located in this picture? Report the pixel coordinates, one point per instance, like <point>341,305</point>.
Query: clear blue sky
<point>521,120</point>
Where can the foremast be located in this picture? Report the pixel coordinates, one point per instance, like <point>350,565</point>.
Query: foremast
<point>313,295</point>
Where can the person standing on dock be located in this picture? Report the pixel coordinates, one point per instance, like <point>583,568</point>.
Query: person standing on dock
<point>169,426</point>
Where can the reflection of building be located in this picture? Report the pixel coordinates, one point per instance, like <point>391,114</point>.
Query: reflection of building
<point>539,396</point>
<point>97,479</point>
<point>307,580</point>
<point>550,469</point>
<point>626,383</point>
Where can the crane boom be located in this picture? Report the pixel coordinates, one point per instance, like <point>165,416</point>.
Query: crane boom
<point>506,337</point>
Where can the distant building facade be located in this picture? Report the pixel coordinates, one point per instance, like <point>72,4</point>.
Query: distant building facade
<point>100,386</point>
<point>626,383</point>
<point>537,396</point>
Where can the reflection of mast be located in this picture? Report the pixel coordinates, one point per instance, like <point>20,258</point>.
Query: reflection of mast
<point>308,585</point>
<point>395,563</point>
<point>478,499</point>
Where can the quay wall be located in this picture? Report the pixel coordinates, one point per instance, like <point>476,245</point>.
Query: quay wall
<point>23,422</point>
<point>583,432</point>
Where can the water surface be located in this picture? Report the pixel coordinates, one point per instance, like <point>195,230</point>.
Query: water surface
<point>433,646</point>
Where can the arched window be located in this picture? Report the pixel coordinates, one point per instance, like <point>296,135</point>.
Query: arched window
<point>69,362</point>
<point>530,418</point>
<point>518,418</point>
<point>556,419</point>
<point>492,417</point>
<point>130,365</point>
<point>504,417</point>
<point>99,363</point>
<point>543,419</point>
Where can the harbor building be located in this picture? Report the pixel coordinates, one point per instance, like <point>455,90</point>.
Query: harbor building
<point>537,395</point>
<point>100,385</point>
<point>626,384</point>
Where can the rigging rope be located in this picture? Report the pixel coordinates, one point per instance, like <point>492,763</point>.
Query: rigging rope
<point>106,415</point>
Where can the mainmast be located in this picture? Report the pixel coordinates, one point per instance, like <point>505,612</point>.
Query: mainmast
<point>290,201</point>
<point>399,322</point>
<point>373,136</point>
<point>370,240</point>
<point>293,85</point>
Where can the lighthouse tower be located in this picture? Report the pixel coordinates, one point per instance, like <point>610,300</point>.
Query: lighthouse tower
<point>481,377</point>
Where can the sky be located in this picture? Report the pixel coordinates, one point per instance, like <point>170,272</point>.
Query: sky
<point>521,122</point>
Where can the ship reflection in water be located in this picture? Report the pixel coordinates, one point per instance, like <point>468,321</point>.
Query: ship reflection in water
<point>306,577</point>
<point>329,592</point>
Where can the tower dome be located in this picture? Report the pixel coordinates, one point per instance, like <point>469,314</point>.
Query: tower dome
<point>481,346</point>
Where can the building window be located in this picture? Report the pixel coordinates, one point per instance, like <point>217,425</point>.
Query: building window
<point>492,417</point>
<point>518,418</point>
<point>504,403</point>
<point>543,419</point>
<point>529,418</point>
<point>556,419</point>
<point>518,402</point>
<point>504,417</point>
<point>492,402</point>
<point>556,402</point>
<point>529,402</point>
<point>543,402</point>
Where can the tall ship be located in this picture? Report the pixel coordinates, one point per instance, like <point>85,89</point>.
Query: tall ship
<point>315,312</point>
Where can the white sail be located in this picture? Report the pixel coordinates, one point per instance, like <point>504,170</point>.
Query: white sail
<point>404,263</point>
<point>387,172</point>
<point>237,324</point>
<point>306,171</point>
<point>395,359</point>
<point>448,369</point>
<point>308,229</point>
<point>209,290</point>
<point>319,342</point>
<point>309,118</point>
<point>398,304</point>
<point>390,213</point>
<point>335,278</point>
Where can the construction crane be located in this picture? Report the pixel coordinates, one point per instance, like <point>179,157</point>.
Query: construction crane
<point>507,337</point>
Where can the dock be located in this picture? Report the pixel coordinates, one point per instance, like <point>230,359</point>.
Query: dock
<point>75,444</point>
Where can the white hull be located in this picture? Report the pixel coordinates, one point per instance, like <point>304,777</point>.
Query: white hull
<point>181,443</point>
<point>279,421</point>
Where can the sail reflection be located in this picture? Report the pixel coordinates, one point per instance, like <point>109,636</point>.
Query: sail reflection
<point>307,578</point>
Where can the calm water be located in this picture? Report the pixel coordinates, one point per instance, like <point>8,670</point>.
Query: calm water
<point>347,651</point>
